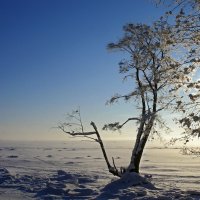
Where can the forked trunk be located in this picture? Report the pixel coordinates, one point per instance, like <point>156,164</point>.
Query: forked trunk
<point>136,157</point>
<point>140,143</point>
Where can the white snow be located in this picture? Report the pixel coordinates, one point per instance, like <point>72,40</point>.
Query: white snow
<point>77,170</point>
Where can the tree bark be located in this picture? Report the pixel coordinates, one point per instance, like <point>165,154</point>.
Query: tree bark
<point>112,169</point>
<point>140,143</point>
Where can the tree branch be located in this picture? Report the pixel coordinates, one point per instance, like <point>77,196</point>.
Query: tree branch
<point>129,119</point>
<point>111,169</point>
<point>75,133</point>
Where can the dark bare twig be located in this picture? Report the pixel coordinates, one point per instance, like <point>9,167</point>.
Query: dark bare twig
<point>114,164</point>
<point>76,133</point>
<point>82,133</point>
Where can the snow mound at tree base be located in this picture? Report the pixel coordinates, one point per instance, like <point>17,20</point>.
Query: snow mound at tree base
<point>134,179</point>
<point>134,186</point>
<point>129,180</point>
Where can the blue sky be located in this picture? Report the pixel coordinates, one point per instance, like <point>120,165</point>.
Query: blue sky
<point>53,58</point>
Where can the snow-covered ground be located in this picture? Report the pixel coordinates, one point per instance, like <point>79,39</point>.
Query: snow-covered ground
<point>76,170</point>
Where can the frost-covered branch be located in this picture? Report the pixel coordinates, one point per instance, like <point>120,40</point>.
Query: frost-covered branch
<point>116,125</point>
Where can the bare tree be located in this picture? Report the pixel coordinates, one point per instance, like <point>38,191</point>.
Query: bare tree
<point>157,76</point>
<point>162,65</point>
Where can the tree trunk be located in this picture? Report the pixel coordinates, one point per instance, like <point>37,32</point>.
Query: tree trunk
<point>137,152</point>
